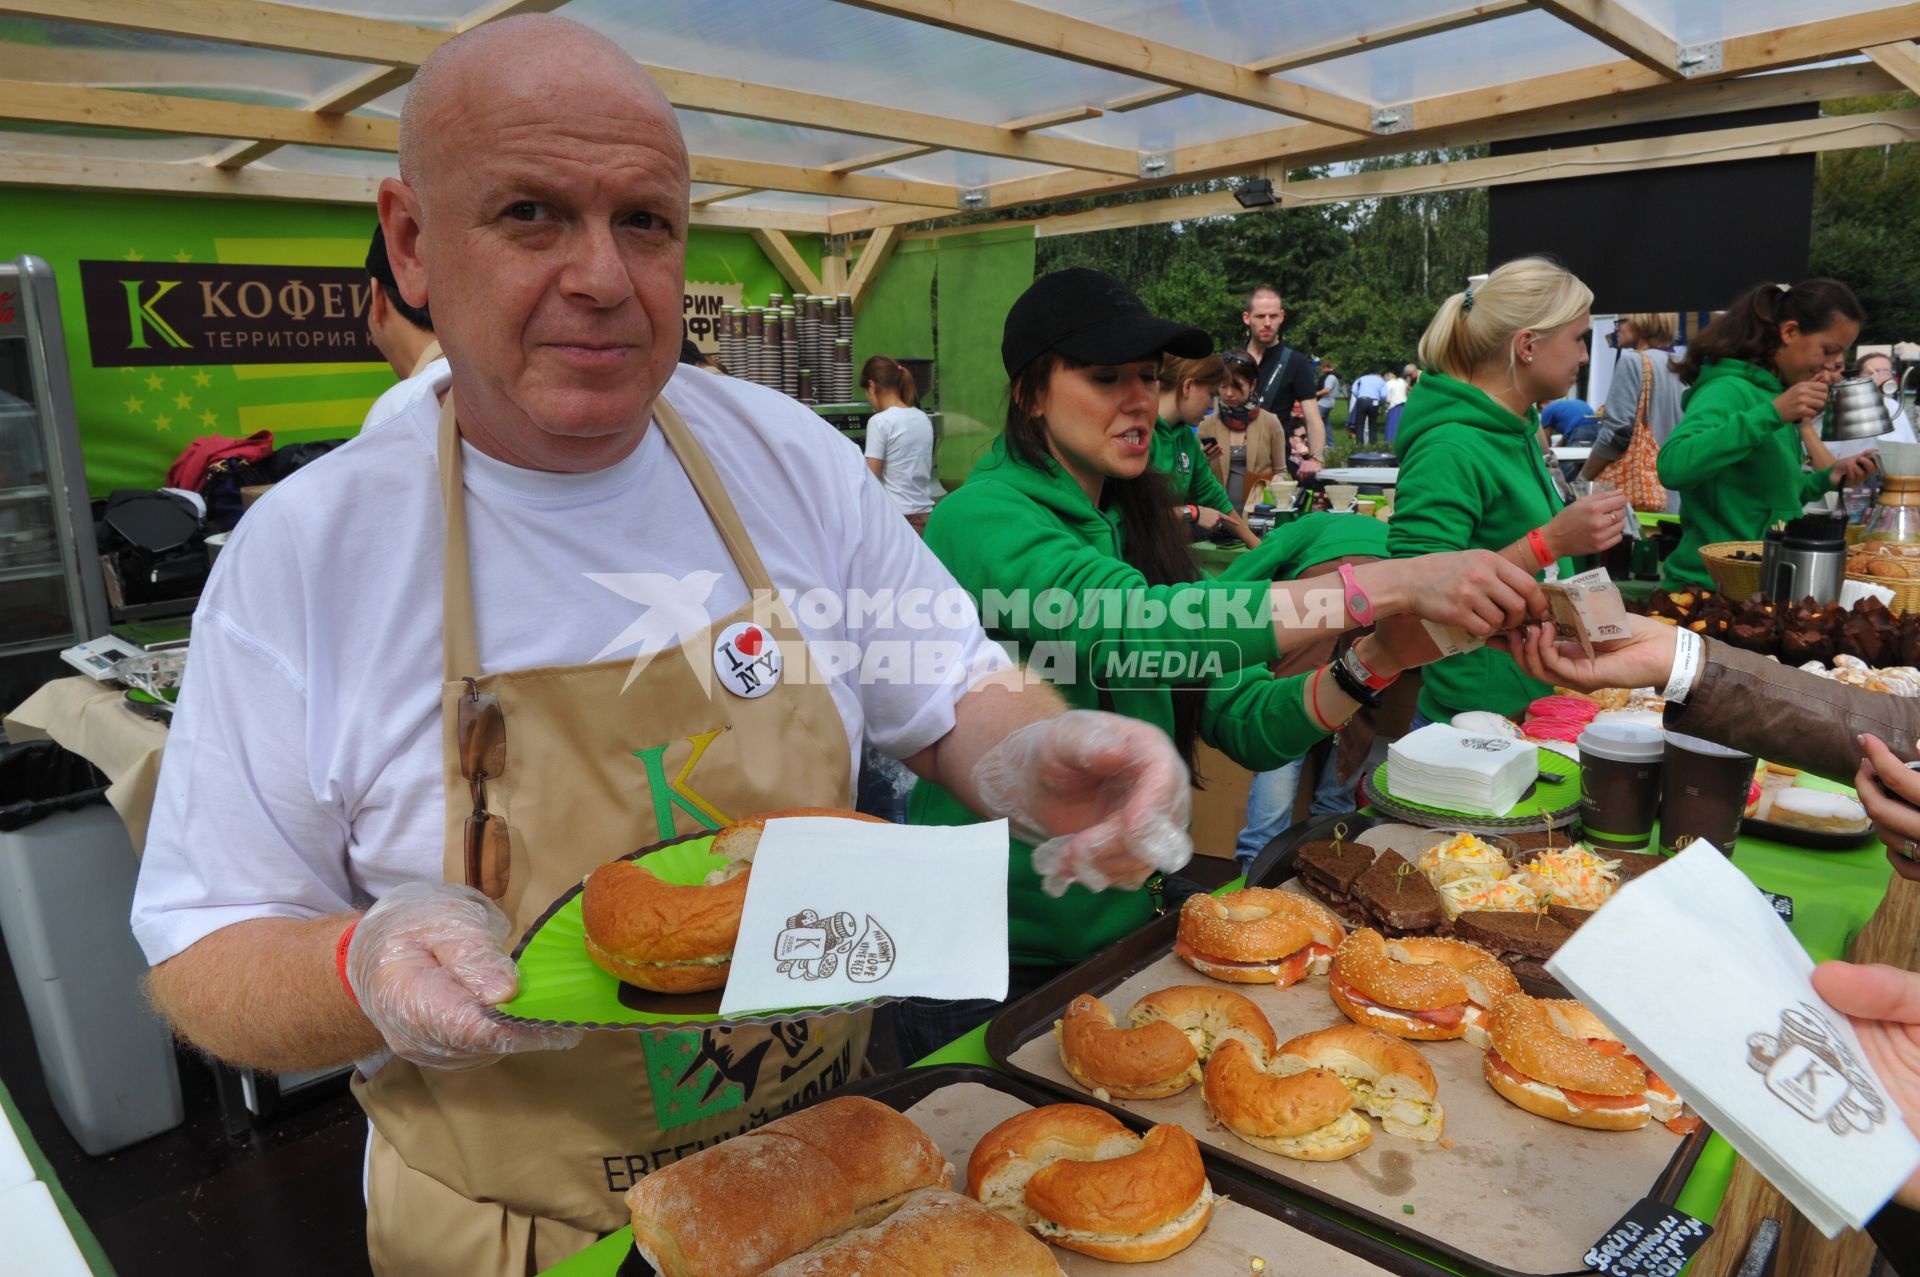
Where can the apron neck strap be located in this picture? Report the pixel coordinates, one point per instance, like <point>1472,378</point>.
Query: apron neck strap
<point>459,644</point>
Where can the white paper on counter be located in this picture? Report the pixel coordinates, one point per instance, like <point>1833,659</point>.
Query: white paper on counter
<point>847,911</point>
<point>37,1238</point>
<point>1690,965</point>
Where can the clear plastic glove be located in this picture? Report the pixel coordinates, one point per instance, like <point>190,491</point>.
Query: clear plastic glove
<point>425,962</point>
<point>1104,799</point>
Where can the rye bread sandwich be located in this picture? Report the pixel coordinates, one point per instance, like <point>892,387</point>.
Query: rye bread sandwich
<point>1522,940</point>
<point>1399,898</point>
<point>1330,869</point>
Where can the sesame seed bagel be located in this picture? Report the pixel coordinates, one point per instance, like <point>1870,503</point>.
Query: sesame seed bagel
<point>1536,1065</point>
<point>1208,1016</point>
<point>1305,1116</point>
<point>1257,936</point>
<point>1150,1062</point>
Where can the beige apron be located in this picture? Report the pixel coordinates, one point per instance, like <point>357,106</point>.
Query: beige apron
<point>427,356</point>
<point>509,1168</point>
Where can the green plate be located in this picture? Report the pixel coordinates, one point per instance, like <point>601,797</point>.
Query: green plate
<point>1547,805</point>
<point>561,985</point>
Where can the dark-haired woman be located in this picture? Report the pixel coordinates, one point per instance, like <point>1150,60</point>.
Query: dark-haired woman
<point>900,439</point>
<point>1757,371</point>
<point>1064,535</point>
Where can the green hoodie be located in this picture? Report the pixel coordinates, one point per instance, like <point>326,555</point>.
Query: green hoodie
<point>1175,451</point>
<point>1016,528</point>
<point>1471,478</point>
<point>1735,464</point>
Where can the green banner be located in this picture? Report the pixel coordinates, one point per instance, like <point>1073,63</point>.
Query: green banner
<point>135,421</point>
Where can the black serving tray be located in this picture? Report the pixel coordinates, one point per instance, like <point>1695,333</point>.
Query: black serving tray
<point>902,1090</point>
<point>1033,1016</point>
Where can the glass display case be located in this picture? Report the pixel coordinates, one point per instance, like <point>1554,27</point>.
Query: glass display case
<point>51,593</point>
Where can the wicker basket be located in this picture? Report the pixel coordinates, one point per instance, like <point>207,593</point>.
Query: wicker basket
<point>1906,594</point>
<point>1738,579</point>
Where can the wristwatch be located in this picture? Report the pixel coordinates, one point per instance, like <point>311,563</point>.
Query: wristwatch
<point>1354,685</point>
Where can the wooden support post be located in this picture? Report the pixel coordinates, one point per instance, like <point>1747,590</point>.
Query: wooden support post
<point>880,246</point>
<point>787,261</point>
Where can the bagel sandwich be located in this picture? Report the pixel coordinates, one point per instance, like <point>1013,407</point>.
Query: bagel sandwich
<point>935,1232</point>
<point>1536,1065</point>
<point>1208,1016</point>
<point>1416,987</point>
<point>1307,1116</point>
<point>1574,1019</point>
<point>671,937</point>
<point>1077,1177</point>
<point>1147,1062</point>
<point>1388,1079</point>
<point>1257,936</point>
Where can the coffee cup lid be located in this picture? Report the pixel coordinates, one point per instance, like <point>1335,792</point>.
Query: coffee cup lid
<point>1623,742</point>
<point>1695,745</point>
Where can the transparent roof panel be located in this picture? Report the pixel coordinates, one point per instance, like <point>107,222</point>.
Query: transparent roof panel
<point>1185,121</point>
<point>792,202</point>
<point>75,53</point>
<point>419,13</point>
<point>318,159</point>
<point>1523,46</point>
<point>768,142</point>
<point>819,46</point>
<point>1244,31</point>
<point>1691,22</point>
<point>962,168</point>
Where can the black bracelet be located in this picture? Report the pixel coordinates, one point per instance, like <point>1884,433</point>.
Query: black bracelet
<point>1352,686</point>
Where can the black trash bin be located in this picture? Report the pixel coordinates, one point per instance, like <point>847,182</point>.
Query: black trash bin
<point>67,871</point>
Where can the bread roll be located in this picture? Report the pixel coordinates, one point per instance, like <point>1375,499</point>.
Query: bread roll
<point>659,935</point>
<point>740,841</point>
<point>934,1233</point>
<point>739,1207</point>
<point>1536,1064</point>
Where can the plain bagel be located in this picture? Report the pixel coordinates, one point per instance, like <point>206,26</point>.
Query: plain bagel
<point>1257,936</point>
<point>1080,1179</point>
<point>1416,987</point>
<point>1387,1078</point>
<point>1208,1016</point>
<point>1542,1068</point>
<point>1306,1116</point>
<point>1150,1062</point>
<point>676,937</point>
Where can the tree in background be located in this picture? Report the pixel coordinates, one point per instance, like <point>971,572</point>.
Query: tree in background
<point>1866,224</point>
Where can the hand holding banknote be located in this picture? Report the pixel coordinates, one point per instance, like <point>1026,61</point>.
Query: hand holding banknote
<point>1884,1005</point>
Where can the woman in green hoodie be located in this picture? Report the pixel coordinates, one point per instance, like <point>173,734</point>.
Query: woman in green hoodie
<point>1757,371</point>
<point>1063,534</point>
<point>1472,472</point>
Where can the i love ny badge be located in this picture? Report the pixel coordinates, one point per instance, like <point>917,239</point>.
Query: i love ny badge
<point>746,659</point>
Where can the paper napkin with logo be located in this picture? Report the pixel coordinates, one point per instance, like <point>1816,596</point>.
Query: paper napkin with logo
<point>1694,970</point>
<point>846,911</point>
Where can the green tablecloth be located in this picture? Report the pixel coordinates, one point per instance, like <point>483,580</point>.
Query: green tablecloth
<point>1834,894</point>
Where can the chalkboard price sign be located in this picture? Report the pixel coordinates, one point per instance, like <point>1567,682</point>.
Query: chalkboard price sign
<point>1652,1240</point>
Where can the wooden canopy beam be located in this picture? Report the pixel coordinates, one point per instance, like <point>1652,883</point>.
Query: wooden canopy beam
<point>787,260</point>
<point>880,246</point>
<point>1627,32</point>
<point>147,177</point>
<point>1057,35</point>
<point>256,24</point>
<point>1901,60</point>
<point>161,113</point>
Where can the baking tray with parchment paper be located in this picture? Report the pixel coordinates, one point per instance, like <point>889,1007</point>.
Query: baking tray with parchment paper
<point>956,1104</point>
<point>1508,1192</point>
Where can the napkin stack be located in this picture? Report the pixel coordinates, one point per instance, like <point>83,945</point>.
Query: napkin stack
<point>1474,773</point>
<point>1694,970</point>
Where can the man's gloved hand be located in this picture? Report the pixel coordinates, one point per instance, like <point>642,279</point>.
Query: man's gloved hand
<point>1104,799</point>
<point>425,962</point>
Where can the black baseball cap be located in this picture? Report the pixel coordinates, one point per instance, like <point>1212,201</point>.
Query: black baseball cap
<point>1090,316</point>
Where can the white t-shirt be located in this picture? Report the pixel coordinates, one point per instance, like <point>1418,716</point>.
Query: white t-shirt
<point>302,775</point>
<point>902,440</point>
<point>1396,391</point>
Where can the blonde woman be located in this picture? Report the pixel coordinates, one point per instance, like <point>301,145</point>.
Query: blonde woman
<point>1472,475</point>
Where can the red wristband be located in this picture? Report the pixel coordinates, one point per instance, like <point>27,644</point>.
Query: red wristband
<point>340,960</point>
<point>1538,542</point>
<point>1313,702</point>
